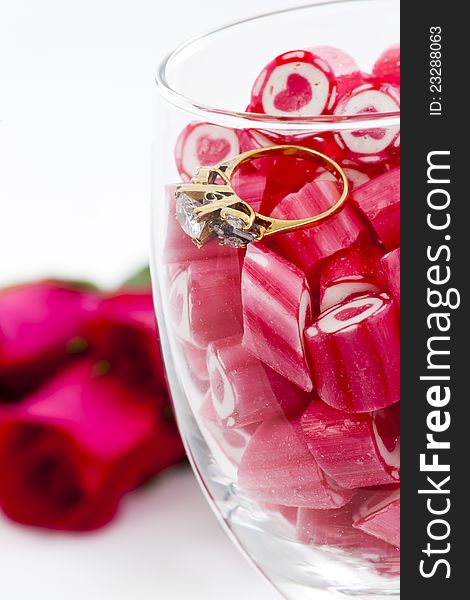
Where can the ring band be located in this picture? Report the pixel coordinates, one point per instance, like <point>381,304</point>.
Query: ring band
<point>207,209</point>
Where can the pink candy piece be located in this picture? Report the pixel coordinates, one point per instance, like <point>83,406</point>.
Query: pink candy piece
<point>387,66</point>
<point>304,82</point>
<point>350,271</point>
<point>288,513</point>
<point>247,182</point>
<point>334,527</point>
<point>356,450</point>
<point>329,528</point>
<point>283,170</point>
<point>226,445</point>
<point>244,390</point>
<point>276,309</point>
<point>196,360</point>
<point>307,247</point>
<point>355,353</point>
<point>204,144</point>
<point>355,177</point>
<point>205,300</point>
<point>370,145</point>
<point>278,467</point>
<point>379,515</point>
<point>390,267</point>
<point>379,200</point>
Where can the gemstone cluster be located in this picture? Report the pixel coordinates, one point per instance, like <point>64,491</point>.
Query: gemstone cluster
<point>201,228</point>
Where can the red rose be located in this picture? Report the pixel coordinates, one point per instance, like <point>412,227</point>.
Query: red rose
<point>70,450</point>
<point>123,333</point>
<point>40,326</point>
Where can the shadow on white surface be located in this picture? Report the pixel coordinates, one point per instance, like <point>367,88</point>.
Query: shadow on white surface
<point>165,544</point>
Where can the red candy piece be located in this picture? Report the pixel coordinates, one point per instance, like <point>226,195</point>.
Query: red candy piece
<point>278,467</point>
<point>350,271</point>
<point>196,361</point>
<point>390,268</point>
<point>204,144</point>
<point>356,450</point>
<point>244,390</point>
<point>205,301</point>
<point>355,177</point>
<point>282,170</point>
<point>355,353</point>
<point>304,82</point>
<point>379,201</point>
<point>387,66</point>
<point>307,247</point>
<point>276,309</point>
<point>379,515</point>
<point>250,185</point>
<point>370,145</point>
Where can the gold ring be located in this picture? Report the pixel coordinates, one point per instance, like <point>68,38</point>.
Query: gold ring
<point>207,209</point>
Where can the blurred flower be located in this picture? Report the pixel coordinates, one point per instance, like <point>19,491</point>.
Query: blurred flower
<point>122,332</point>
<point>41,324</point>
<point>87,414</point>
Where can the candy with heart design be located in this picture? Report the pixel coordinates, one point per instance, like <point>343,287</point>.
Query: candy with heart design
<point>244,390</point>
<point>304,82</point>
<point>387,66</point>
<point>308,247</point>
<point>204,144</point>
<point>348,272</point>
<point>276,309</point>
<point>355,354</point>
<point>355,450</point>
<point>379,201</point>
<point>370,145</point>
<point>278,467</point>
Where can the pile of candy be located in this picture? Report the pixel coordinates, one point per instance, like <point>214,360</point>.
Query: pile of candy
<point>296,338</point>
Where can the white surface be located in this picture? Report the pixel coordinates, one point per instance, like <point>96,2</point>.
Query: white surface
<point>76,118</point>
<point>77,100</point>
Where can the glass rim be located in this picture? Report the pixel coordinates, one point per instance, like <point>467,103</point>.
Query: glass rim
<point>245,119</point>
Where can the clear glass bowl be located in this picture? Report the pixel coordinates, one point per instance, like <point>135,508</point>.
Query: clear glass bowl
<point>234,384</point>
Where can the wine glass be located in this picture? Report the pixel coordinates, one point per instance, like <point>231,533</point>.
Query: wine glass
<point>246,326</point>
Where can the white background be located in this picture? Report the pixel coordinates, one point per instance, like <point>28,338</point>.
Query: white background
<point>76,118</point>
